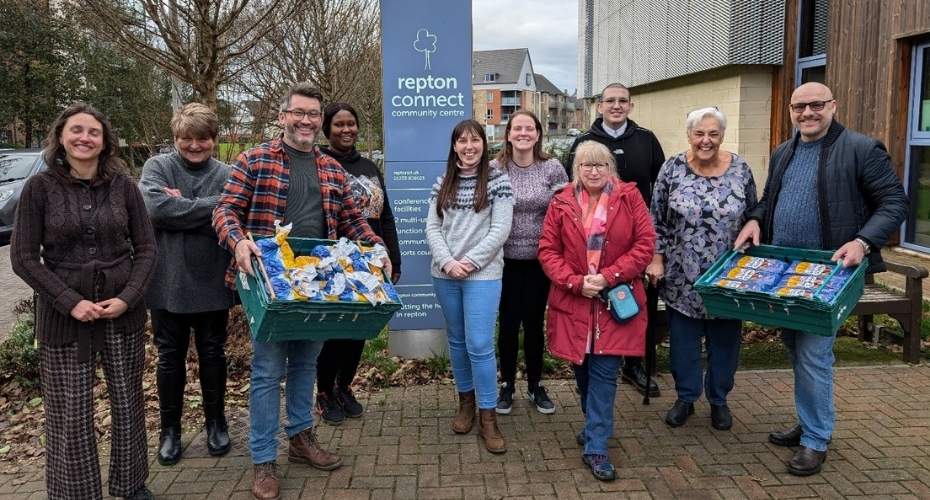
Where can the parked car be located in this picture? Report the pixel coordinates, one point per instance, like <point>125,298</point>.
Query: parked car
<point>573,132</point>
<point>15,167</point>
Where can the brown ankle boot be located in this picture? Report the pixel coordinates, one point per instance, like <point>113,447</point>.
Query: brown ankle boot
<point>487,428</point>
<point>464,419</point>
<point>265,481</point>
<point>305,449</point>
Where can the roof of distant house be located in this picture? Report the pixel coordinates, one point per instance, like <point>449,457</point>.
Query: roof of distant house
<point>505,64</point>
<point>544,85</point>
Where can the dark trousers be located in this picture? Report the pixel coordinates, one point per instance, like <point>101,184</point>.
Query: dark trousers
<point>524,293</point>
<point>337,364</point>
<point>172,338</point>
<point>72,467</point>
<point>723,343</point>
<point>652,309</point>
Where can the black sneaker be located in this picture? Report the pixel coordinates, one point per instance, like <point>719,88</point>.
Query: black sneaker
<point>505,399</point>
<point>330,411</point>
<point>350,406</point>
<point>541,400</point>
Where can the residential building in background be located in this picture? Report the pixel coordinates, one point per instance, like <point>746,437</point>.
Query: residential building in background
<point>747,56</point>
<point>503,81</point>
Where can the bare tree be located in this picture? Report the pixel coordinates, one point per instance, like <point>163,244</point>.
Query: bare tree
<point>329,43</point>
<point>203,43</point>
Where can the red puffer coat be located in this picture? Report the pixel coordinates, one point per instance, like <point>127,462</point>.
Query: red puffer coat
<point>575,320</point>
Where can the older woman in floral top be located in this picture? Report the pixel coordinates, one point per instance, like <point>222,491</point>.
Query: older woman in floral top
<point>699,204</point>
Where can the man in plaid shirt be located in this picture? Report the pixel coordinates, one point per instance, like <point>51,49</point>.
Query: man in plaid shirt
<point>288,179</point>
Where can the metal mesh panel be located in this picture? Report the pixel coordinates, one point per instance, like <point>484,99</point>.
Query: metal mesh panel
<point>821,13</point>
<point>644,41</point>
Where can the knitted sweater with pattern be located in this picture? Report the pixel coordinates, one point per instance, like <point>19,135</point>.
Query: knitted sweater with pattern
<point>462,233</point>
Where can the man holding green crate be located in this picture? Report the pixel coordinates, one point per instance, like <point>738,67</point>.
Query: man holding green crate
<point>290,180</point>
<point>828,188</point>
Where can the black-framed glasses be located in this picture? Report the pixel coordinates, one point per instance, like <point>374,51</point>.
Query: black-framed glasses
<point>590,167</point>
<point>799,107</point>
<point>299,114</point>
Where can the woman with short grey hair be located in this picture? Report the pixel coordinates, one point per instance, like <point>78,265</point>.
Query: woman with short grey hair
<point>699,204</point>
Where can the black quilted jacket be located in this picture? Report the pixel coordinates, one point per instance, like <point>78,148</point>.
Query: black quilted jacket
<point>859,193</point>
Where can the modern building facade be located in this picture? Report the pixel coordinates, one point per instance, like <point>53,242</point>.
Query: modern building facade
<point>747,56</point>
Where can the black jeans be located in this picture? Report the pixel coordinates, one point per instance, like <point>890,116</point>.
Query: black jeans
<point>524,293</point>
<point>172,338</point>
<point>337,364</point>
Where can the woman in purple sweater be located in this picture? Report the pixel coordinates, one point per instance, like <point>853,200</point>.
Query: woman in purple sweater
<point>84,243</point>
<point>534,177</point>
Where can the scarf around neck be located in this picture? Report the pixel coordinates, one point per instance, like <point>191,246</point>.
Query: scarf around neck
<point>595,223</point>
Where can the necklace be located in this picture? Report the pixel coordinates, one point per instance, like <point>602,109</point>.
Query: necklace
<point>530,164</point>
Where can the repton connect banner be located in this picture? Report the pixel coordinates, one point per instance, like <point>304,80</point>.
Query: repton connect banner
<point>426,68</point>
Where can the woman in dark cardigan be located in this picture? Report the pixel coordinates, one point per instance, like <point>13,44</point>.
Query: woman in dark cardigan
<point>339,358</point>
<point>83,242</point>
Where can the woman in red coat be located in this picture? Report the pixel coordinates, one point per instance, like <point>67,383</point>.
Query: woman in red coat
<point>597,234</point>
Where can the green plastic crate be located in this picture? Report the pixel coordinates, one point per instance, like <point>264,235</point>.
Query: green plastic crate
<point>280,320</point>
<point>809,316</point>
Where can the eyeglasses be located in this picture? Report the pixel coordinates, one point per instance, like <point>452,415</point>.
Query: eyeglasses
<point>591,167</point>
<point>610,101</point>
<point>299,114</point>
<point>798,107</point>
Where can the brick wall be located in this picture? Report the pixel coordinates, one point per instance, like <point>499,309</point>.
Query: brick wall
<point>742,93</point>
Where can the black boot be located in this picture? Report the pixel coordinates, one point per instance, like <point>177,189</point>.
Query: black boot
<point>679,413</point>
<point>218,437</point>
<point>169,445</point>
<point>213,385</point>
<point>634,374</point>
<point>170,396</point>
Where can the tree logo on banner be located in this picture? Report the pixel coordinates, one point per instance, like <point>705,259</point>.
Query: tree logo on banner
<point>425,43</point>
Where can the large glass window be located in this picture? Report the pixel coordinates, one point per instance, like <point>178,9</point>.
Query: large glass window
<point>917,227</point>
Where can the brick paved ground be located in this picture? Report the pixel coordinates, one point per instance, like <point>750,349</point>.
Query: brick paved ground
<point>403,448</point>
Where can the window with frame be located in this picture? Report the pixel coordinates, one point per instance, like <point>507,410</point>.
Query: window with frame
<point>529,79</point>
<point>489,114</point>
<point>490,97</point>
<point>813,20</point>
<point>917,161</point>
<point>490,77</point>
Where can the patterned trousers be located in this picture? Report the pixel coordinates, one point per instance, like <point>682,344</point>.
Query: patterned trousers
<point>72,467</point>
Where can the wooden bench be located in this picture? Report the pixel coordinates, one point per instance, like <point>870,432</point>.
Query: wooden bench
<point>907,308</point>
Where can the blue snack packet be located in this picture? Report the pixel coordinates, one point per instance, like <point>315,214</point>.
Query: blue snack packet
<point>761,278</point>
<point>739,285</point>
<point>766,265</point>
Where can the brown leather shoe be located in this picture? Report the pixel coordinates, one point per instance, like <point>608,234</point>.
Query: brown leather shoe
<point>305,449</point>
<point>464,419</point>
<point>487,428</point>
<point>265,481</point>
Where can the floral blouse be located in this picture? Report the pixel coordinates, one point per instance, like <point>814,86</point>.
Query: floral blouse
<point>697,219</point>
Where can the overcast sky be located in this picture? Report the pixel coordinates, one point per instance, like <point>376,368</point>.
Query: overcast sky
<point>549,28</point>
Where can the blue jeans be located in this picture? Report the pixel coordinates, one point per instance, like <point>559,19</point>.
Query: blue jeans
<point>470,309</point>
<point>597,383</point>
<point>812,358</point>
<point>723,343</point>
<point>272,362</point>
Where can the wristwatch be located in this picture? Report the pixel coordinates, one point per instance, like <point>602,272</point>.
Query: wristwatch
<point>866,248</point>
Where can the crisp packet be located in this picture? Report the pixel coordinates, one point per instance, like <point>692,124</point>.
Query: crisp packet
<point>763,264</point>
<point>809,268</point>
<point>740,285</point>
<point>826,294</point>
<point>764,279</point>
<point>801,281</point>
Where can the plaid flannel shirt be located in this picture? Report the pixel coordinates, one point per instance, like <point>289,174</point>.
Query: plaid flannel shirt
<point>255,195</point>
